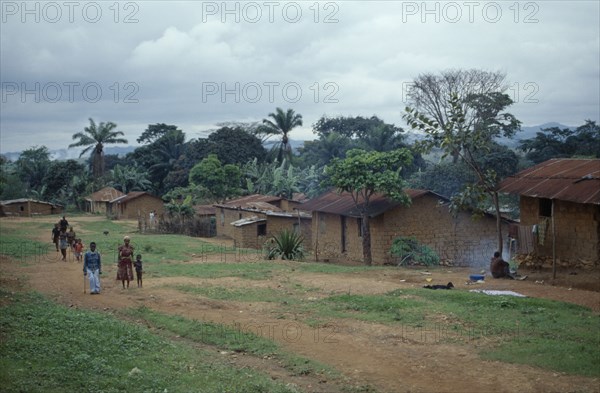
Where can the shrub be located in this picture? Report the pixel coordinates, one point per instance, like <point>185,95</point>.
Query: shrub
<point>410,252</point>
<point>286,245</point>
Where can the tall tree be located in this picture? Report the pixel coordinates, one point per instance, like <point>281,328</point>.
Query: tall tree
<point>282,123</point>
<point>321,151</point>
<point>430,95</point>
<point>59,177</point>
<point>362,174</point>
<point>32,166</point>
<point>95,137</point>
<point>219,181</point>
<point>235,146</point>
<point>156,131</point>
<point>469,139</point>
<point>351,127</point>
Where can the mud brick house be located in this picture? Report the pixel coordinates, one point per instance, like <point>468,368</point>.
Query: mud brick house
<point>99,201</point>
<point>136,204</point>
<point>28,207</point>
<point>252,219</point>
<point>461,240</point>
<point>560,204</point>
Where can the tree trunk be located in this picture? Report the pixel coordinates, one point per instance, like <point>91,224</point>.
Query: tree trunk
<point>366,238</point>
<point>498,221</point>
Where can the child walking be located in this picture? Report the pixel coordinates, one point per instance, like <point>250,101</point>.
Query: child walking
<point>78,249</point>
<point>138,269</point>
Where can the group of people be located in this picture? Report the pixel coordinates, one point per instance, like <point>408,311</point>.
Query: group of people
<point>64,239</point>
<point>126,265</point>
<point>92,266</point>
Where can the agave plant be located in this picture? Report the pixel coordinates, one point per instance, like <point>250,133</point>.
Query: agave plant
<point>286,245</point>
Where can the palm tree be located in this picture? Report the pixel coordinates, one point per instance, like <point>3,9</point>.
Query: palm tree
<point>282,124</point>
<point>96,137</point>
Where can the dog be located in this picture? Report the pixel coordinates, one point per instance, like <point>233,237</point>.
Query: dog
<point>448,286</point>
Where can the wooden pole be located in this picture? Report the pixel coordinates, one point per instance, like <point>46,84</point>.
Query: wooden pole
<point>553,244</point>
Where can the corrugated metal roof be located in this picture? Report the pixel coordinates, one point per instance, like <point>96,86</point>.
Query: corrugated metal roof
<point>247,221</point>
<point>567,179</point>
<point>343,204</point>
<point>253,202</point>
<point>290,214</point>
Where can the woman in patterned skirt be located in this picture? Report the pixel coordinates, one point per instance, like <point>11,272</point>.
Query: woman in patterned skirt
<point>125,270</point>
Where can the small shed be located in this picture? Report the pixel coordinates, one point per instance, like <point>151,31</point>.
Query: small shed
<point>559,201</point>
<point>28,207</point>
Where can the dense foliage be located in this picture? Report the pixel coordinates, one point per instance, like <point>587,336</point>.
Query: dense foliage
<point>409,251</point>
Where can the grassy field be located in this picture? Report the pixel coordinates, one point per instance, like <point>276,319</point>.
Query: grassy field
<point>51,348</point>
<point>102,351</point>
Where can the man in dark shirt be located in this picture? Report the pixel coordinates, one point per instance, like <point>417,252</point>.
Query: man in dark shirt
<point>499,267</point>
<point>63,223</point>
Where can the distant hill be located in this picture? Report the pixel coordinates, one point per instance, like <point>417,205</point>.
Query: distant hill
<point>73,154</point>
<point>529,132</point>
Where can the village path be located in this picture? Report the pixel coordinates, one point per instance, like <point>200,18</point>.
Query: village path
<point>366,353</point>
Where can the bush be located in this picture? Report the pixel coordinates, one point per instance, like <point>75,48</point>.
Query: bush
<point>286,245</point>
<point>410,252</point>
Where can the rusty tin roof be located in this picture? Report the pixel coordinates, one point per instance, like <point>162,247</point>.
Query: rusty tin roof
<point>343,204</point>
<point>567,179</point>
<point>252,202</point>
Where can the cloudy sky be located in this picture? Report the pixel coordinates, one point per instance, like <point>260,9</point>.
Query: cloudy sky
<point>195,64</point>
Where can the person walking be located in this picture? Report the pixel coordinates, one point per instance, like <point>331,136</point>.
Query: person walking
<point>63,223</point>
<point>92,267</point>
<point>55,235</point>
<point>64,244</point>
<point>78,249</point>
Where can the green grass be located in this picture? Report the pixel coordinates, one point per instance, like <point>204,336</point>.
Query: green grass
<point>549,334</point>
<point>14,240</point>
<point>233,338</point>
<point>50,348</point>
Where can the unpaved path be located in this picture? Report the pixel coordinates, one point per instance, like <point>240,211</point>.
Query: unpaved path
<point>366,353</point>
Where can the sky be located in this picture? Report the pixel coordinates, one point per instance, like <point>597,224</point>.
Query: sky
<point>195,64</point>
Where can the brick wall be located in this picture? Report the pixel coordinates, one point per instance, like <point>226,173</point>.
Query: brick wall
<point>577,231</point>
<point>245,236</point>
<point>327,238</point>
<point>226,216</point>
<point>459,241</point>
<point>141,207</point>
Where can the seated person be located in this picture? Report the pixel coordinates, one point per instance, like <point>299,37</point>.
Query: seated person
<point>499,267</point>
